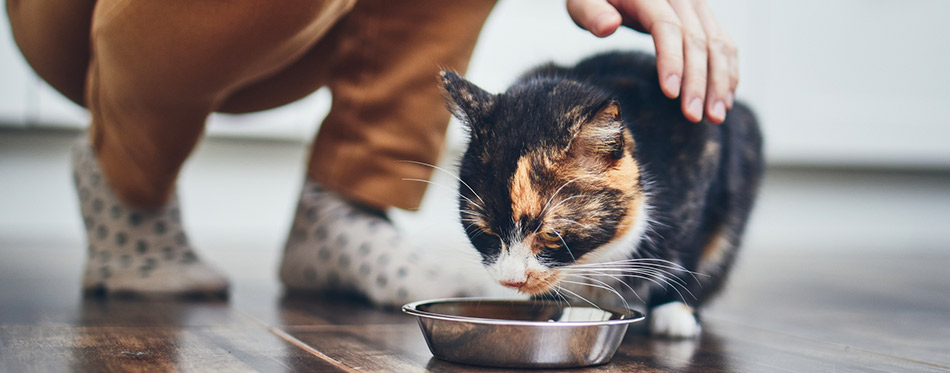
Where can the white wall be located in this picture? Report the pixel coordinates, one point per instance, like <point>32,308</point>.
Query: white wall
<point>856,81</point>
<point>848,82</point>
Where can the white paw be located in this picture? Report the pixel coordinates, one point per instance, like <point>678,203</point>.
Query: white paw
<point>675,320</point>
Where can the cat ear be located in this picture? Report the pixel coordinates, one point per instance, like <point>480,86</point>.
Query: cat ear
<point>602,134</point>
<point>467,102</point>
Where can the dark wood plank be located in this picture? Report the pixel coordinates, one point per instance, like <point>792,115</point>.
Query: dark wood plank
<point>149,349</point>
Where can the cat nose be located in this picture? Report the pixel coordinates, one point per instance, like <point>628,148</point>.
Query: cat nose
<point>515,285</point>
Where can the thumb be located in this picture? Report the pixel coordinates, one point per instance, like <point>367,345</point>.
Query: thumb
<point>596,16</point>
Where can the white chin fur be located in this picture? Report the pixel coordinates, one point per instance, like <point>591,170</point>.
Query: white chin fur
<point>513,264</point>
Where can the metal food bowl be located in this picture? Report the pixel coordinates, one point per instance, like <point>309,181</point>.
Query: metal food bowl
<point>521,333</point>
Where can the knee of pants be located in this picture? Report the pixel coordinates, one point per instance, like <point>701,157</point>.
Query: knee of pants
<point>197,52</point>
<point>53,37</point>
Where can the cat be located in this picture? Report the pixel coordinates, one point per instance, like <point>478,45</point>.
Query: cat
<point>587,179</point>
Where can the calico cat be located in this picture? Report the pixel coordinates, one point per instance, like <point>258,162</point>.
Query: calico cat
<point>587,179</point>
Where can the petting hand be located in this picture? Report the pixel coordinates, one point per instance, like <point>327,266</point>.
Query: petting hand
<point>695,57</point>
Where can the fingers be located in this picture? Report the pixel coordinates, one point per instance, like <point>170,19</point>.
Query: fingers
<point>723,65</point>
<point>696,60</point>
<point>659,19</point>
<point>694,48</point>
<point>596,16</point>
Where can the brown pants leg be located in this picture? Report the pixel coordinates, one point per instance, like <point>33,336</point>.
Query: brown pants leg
<point>387,107</point>
<point>159,68</point>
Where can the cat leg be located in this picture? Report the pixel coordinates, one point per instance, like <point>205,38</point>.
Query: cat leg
<point>337,245</point>
<point>133,250</point>
<point>674,320</point>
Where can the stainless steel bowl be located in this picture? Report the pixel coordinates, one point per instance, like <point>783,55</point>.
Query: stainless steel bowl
<point>521,333</point>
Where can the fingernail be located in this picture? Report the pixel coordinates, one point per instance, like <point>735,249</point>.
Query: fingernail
<point>719,110</point>
<point>729,99</point>
<point>695,108</point>
<point>673,84</point>
<point>601,23</point>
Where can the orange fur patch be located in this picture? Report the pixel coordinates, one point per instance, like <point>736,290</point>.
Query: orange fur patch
<point>540,282</point>
<point>715,248</point>
<point>525,200</point>
<point>627,174</point>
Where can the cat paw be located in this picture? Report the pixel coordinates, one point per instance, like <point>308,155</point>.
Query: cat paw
<point>674,320</point>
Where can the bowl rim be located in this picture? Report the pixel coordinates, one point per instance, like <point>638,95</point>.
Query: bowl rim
<point>412,308</point>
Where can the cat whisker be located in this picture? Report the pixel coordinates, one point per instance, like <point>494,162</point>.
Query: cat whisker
<point>658,222</point>
<point>653,262</point>
<point>600,285</point>
<point>582,225</point>
<point>565,246</point>
<point>470,212</point>
<point>615,278</point>
<point>596,286</point>
<point>668,277</point>
<point>641,260</point>
<point>647,262</point>
<point>578,296</point>
<point>446,187</point>
<point>545,208</point>
<point>478,232</point>
<point>660,278</point>
<point>643,271</point>
<point>629,268</point>
<point>451,174</point>
<point>557,292</point>
<point>570,198</point>
<point>567,302</point>
<point>470,223</point>
<point>656,281</point>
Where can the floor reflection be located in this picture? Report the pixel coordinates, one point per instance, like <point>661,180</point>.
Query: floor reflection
<point>702,354</point>
<point>136,334</point>
<point>97,311</point>
<point>308,308</point>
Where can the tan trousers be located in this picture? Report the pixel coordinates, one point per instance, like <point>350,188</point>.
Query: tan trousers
<point>150,73</point>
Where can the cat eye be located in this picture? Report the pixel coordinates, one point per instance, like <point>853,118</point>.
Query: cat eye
<point>549,236</point>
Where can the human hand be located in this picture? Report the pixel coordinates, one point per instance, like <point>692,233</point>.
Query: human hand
<point>695,57</point>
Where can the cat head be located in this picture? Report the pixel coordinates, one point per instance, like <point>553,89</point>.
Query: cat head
<point>548,180</point>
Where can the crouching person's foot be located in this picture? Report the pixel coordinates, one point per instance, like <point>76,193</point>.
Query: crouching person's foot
<point>141,252</point>
<point>339,246</point>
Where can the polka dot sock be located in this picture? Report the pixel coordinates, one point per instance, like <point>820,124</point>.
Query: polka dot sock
<point>136,251</point>
<point>336,245</point>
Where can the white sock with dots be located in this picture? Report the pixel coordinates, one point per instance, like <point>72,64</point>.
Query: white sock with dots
<point>335,245</point>
<point>136,251</point>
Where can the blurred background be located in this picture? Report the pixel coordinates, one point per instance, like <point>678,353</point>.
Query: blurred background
<point>852,95</point>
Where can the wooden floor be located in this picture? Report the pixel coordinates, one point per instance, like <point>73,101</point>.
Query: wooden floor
<point>788,312</point>
<point>841,271</point>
